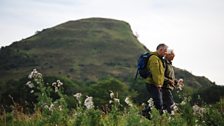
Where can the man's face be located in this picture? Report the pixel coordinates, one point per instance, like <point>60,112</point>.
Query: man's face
<point>170,56</point>
<point>162,51</point>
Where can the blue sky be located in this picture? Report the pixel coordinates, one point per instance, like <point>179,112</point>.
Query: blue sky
<point>193,28</point>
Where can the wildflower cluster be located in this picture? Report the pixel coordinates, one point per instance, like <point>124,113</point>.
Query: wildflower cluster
<point>150,102</point>
<point>128,101</point>
<point>174,109</point>
<point>35,80</point>
<point>114,98</point>
<point>198,111</point>
<point>57,85</point>
<point>89,102</point>
<point>35,75</point>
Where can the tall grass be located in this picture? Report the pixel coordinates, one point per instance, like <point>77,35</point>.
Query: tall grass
<point>55,112</point>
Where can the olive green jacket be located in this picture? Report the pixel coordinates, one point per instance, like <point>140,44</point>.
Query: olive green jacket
<point>156,67</point>
<point>169,75</point>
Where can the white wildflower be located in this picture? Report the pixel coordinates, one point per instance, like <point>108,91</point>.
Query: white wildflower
<point>172,112</point>
<point>60,108</point>
<point>151,102</point>
<point>78,97</point>
<point>174,107</point>
<point>143,104</point>
<point>46,107</point>
<point>59,83</point>
<point>39,75</point>
<point>30,84</point>
<point>186,99</point>
<point>51,107</point>
<point>32,74</point>
<point>164,111</point>
<point>35,74</point>
<point>55,89</point>
<point>183,103</point>
<point>31,91</point>
<point>116,100</point>
<point>128,101</point>
<point>54,84</point>
<point>198,110</point>
<point>112,94</point>
<point>110,101</point>
<point>89,102</point>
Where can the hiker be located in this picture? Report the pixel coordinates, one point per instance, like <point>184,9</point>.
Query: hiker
<point>154,82</point>
<point>169,82</point>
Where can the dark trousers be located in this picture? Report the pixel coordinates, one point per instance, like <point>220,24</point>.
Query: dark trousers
<point>156,94</point>
<point>167,99</point>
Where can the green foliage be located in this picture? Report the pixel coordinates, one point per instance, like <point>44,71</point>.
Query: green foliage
<point>56,111</point>
<point>209,95</point>
<point>215,114</point>
<point>101,89</point>
<point>139,87</point>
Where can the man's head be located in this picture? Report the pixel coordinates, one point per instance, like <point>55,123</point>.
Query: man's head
<point>169,55</point>
<point>161,49</point>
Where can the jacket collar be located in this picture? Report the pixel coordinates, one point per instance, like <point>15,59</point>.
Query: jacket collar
<point>156,53</point>
<point>169,62</point>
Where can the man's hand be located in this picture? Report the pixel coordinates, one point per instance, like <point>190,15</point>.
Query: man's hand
<point>159,87</point>
<point>172,82</point>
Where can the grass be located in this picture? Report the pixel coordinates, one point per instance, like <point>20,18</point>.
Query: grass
<point>50,111</point>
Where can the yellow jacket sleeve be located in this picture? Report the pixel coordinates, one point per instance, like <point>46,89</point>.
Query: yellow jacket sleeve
<point>155,65</point>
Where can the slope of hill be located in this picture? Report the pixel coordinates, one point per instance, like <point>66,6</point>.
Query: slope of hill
<point>192,80</point>
<point>86,49</point>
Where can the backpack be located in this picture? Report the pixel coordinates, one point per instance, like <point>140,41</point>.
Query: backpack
<point>142,65</point>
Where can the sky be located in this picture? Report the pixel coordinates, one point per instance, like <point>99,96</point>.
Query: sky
<point>193,28</point>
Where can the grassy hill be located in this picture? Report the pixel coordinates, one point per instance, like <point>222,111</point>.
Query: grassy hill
<point>86,49</point>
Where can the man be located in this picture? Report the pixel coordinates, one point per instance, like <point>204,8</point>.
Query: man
<point>169,82</point>
<point>155,81</point>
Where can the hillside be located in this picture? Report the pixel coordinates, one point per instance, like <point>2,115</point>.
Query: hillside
<point>84,50</point>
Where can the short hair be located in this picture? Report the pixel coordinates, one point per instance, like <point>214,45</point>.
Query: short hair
<point>170,51</point>
<point>162,45</point>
